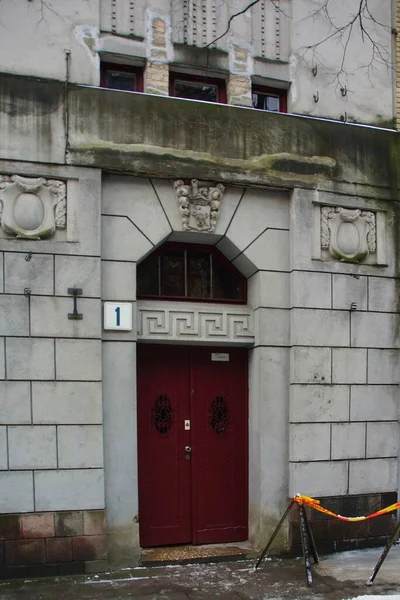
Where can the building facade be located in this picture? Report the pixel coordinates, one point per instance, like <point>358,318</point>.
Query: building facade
<point>198,301</point>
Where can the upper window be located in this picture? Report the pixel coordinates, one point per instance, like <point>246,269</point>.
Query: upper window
<point>121,77</point>
<point>198,88</point>
<point>269,99</point>
<point>190,272</point>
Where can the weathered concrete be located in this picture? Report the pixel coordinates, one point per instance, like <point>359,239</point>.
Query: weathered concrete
<point>337,577</point>
<point>172,136</point>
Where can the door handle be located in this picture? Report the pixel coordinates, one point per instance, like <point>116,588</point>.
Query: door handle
<point>188,449</point>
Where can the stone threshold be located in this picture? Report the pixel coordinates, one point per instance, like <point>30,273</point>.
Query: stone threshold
<point>207,553</point>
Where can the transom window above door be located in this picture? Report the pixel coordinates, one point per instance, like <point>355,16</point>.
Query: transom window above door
<point>190,272</point>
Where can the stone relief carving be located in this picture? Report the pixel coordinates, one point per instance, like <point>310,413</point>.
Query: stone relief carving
<point>348,234</point>
<point>227,325</point>
<point>32,207</point>
<point>199,204</point>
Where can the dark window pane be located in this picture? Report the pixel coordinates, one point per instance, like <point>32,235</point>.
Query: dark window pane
<point>195,273</point>
<point>147,278</point>
<point>121,80</point>
<point>198,275</point>
<point>196,91</point>
<point>257,101</point>
<point>266,102</point>
<point>226,284</point>
<point>172,274</point>
<point>272,103</point>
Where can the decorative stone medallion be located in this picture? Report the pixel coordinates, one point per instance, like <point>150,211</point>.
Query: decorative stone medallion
<point>199,204</point>
<point>32,207</point>
<point>348,234</point>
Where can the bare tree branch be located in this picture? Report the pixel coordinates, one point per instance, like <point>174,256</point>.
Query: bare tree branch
<point>359,21</point>
<point>240,12</point>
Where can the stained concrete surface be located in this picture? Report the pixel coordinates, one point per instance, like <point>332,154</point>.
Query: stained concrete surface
<point>337,577</point>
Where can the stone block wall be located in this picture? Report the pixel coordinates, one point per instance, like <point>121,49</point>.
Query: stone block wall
<point>343,409</point>
<point>333,535</point>
<point>51,439</point>
<point>52,543</point>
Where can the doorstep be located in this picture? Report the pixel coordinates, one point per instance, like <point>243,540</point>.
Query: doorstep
<point>207,553</point>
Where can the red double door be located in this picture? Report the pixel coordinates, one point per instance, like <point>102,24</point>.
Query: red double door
<point>192,445</point>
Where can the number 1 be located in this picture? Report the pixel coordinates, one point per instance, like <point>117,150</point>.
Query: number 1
<point>118,318</point>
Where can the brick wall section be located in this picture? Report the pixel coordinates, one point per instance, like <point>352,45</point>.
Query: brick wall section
<point>239,83</point>
<point>159,53</point>
<point>238,90</point>
<point>156,78</point>
<point>332,535</point>
<point>52,543</point>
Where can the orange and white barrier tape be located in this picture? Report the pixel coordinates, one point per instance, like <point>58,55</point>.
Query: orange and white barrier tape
<point>300,499</point>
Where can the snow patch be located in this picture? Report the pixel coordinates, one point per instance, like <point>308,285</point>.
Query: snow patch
<point>395,597</point>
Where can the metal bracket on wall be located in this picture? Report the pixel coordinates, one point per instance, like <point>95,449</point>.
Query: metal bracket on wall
<point>75,292</point>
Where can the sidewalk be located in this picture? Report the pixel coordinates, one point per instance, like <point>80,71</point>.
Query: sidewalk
<point>337,577</point>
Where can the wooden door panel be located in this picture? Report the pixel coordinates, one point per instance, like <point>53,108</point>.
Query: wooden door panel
<point>164,474</point>
<point>220,446</point>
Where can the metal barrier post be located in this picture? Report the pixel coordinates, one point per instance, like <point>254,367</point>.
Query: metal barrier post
<point>273,536</point>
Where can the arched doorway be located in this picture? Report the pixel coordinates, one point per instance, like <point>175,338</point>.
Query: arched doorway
<point>192,410</point>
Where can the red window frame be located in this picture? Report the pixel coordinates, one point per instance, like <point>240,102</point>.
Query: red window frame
<point>198,248</point>
<point>219,83</point>
<point>105,67</point>
<point>281,94</point>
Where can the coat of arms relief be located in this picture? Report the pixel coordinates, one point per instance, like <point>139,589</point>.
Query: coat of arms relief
<point>199,204</point>
<point>348,234</point>
<point>32,207</point>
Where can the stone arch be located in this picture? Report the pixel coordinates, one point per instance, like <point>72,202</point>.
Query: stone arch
<point>252,231</point>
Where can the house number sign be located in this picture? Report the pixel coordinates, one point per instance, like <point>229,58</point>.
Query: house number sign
<point>118,316</point>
